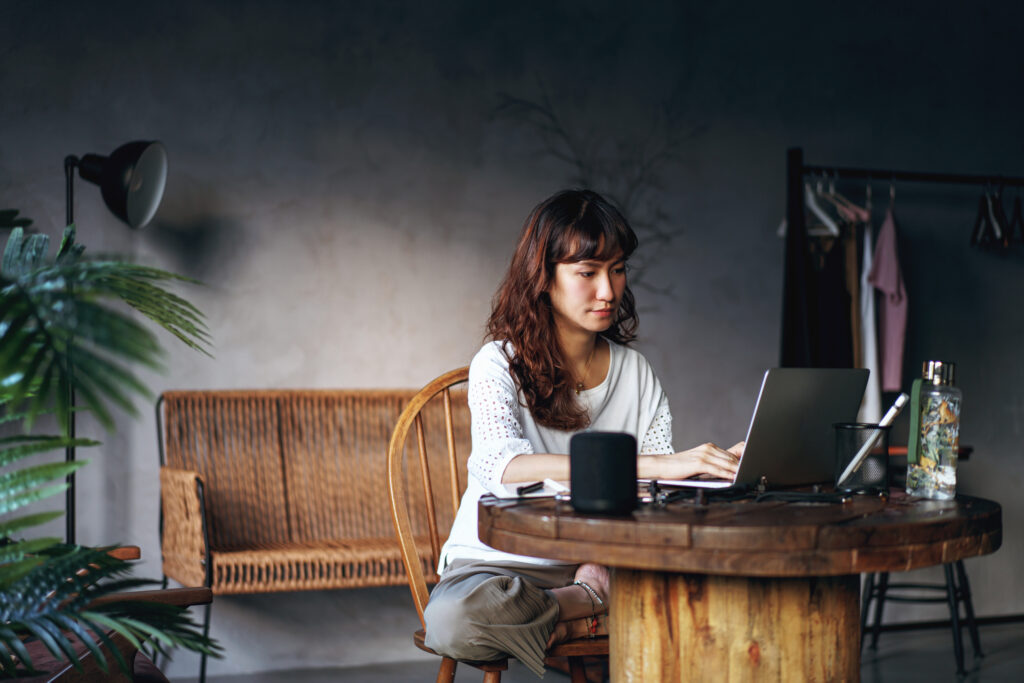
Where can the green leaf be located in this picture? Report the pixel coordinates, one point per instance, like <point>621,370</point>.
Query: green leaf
<point>67,241</point>
<point>11,526</point>
<point>39,444</point>
<point>12,503</point>
<point>9,219</point>
<point>16,647</point>
<point>12,253</point>
<point>12,572</point>
<point>63,621</point>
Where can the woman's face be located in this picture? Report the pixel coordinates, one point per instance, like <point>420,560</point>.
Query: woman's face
<point>585,295</point>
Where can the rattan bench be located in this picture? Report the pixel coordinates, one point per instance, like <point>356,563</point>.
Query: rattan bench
<point>285,490</point>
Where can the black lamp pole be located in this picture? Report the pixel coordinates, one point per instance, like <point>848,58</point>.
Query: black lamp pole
<point>69,453</point>
<point>132,181</point>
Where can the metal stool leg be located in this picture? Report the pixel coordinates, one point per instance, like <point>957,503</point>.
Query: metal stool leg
<point>867,591</point>
<point>965,597</point>
<point>954,617</point>
<point>876,629</point>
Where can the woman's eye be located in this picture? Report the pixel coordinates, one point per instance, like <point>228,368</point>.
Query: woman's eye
<point>620,270</point>
<point>586,273</point>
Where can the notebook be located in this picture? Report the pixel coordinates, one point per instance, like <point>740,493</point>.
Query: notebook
<point>790,440</point>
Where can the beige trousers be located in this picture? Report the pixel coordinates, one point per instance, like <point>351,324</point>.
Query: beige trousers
<point>482,611</point>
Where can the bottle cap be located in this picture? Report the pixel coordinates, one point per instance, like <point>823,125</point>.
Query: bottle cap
<point>938,372</point>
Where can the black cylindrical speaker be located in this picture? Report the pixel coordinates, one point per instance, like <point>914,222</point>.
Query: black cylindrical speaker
<point>602,472</point>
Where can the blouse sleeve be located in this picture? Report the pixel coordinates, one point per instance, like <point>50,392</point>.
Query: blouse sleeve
<point>658,439</point>
<point>496,428</point>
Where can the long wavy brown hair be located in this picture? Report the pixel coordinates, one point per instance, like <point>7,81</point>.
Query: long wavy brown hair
<point>570,226</point>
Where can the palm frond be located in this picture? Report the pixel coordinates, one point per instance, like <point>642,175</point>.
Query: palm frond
<point>58,330</point>
<point>52,603</point>
<point>60,336</point>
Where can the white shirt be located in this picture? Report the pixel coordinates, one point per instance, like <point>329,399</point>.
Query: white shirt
<point>630,399</point>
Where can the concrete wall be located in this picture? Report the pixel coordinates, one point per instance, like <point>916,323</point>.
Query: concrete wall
<point>348,180</point>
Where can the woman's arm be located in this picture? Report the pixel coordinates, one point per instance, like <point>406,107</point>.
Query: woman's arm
<point>706,459</point>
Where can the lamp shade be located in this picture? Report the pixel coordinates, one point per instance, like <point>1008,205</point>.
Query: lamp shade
<point>131,179</point>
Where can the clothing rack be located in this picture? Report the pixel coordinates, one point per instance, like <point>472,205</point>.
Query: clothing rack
<point>796,169</point>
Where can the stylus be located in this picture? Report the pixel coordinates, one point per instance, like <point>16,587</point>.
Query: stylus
<point>862,454</point>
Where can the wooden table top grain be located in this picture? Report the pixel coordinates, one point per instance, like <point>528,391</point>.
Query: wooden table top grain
<point>748,538</point>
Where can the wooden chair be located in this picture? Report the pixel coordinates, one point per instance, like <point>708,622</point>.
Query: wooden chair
<point>439,514</point>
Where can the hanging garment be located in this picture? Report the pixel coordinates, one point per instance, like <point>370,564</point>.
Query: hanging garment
<point>871,406</point>
<point>816,327</point>
<point>892,320</point>
<point>849,232</point>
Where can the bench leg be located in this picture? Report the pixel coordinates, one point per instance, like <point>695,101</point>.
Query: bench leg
<point>206,634</point>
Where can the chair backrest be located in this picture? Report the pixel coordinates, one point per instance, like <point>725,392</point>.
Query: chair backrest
<point>438,519</point>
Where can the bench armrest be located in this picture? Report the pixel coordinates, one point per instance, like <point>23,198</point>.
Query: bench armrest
<point>184,538</point>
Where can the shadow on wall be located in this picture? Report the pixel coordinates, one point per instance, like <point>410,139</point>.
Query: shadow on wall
<point>200,247</point>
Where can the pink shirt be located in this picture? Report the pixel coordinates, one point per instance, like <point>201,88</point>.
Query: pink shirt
<point>892,320</point>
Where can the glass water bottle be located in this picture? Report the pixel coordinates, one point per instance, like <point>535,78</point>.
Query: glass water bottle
<point>932,474</point>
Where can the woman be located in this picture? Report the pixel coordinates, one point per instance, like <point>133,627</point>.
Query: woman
<point>558,363</point>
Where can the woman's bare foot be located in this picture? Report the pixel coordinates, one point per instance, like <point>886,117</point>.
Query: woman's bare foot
<point>578,628</point>
<point>576,602</point>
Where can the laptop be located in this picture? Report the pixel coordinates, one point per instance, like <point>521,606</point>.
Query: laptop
<point>790,441</point>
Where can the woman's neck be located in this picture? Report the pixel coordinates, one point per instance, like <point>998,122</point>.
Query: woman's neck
<point>577,348</point>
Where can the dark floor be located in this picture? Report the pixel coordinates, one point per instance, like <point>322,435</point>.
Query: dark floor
<point>901,656</point>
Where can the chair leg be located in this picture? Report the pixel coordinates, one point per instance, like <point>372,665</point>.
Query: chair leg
<point>965,597</point>
<point>492,677</point>
<point>577,670</point>
<point>446,674</point>
<point>206,634</point>
<point>876,628</point>
<point>867,590</point>
<point>954,617</point>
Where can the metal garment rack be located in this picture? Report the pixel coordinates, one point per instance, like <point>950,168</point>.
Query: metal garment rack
<point>796,172</point>
<point>796,169</point>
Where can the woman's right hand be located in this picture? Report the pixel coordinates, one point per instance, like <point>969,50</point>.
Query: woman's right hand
<point>704,460</point>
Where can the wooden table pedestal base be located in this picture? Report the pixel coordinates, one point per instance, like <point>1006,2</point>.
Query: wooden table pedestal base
<point>696,627</point>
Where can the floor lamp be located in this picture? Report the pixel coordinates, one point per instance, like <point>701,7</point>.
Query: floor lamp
<point>132,181</point>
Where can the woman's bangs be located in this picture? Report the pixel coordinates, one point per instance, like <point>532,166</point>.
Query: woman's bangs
<point>589,239</point>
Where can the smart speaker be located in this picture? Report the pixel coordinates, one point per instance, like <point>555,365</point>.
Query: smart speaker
<point>602,472</point>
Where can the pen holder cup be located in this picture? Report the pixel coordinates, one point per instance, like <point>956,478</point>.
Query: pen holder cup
<point>854,439</point>
<point>602,472</point>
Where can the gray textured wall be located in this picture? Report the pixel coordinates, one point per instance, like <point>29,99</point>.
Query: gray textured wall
<point>348,184</point>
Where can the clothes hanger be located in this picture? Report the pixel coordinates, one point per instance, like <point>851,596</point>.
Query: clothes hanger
<point>1016,223</point>
<point>991,203</point>
<point>828,226</point>
<point>1001,220</point>
<point>849,211</point>
<point>980,234</point>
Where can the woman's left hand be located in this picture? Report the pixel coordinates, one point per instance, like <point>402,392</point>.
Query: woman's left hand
<point>706,459</point>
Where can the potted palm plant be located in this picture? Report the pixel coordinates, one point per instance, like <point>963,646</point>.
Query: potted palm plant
<point>65,332</point>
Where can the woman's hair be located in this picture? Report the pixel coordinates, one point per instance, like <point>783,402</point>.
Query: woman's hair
<point>571,226</point>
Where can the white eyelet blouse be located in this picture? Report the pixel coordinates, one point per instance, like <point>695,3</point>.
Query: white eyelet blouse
<point>630,399</point>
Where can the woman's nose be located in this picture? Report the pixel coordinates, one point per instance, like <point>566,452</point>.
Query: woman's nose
<point>605,291</point>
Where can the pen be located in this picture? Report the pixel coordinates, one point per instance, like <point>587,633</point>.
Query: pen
<point>529,488</point>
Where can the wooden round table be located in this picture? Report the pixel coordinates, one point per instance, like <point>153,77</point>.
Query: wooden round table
<point>743,590</point>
